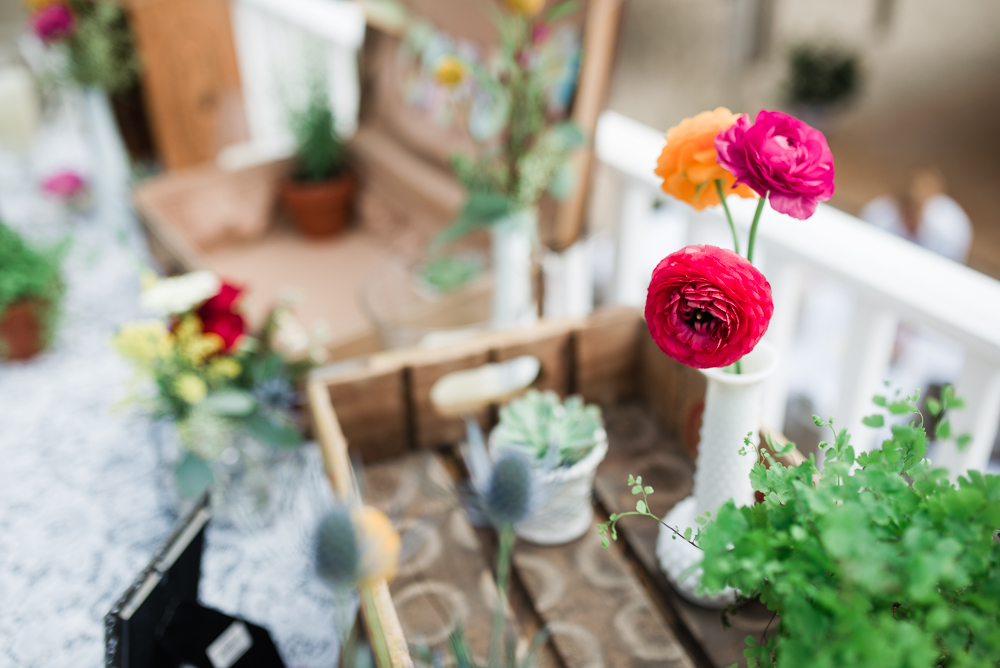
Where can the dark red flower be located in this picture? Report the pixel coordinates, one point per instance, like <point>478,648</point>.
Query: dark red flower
<point>219,317</point>
<point>228,325</point>
<point>707,306</point>
<point>224,300</point>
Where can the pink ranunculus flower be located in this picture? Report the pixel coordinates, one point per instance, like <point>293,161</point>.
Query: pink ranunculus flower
<point>53,22</point>
<point>707,306</point>
<point>65,184</point>
<point>780,155</point>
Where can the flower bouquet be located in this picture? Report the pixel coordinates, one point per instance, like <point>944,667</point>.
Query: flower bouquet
<point>709,307</point>
<point>231,394</point>
<point>565,443</point>
<point>516,105</point>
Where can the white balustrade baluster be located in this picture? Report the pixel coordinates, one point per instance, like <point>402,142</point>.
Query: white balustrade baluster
<point>630,283</point>
<point>979,386</point>
<point>787,279</point>
<point>866,361</point>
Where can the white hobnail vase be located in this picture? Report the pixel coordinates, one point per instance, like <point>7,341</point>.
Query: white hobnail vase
<point>512,241</point>
<point>732,410</point>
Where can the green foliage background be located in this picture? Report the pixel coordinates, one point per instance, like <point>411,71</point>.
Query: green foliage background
<point>886,565</point>
<point>101,51</point>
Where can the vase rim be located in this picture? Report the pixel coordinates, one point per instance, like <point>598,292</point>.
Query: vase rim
<point>764,358</point>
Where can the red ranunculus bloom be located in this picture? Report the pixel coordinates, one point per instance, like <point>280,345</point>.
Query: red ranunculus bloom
<point>219,317</point>
<point>707,306</point>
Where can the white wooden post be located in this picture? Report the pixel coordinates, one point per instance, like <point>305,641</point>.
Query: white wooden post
<point>867,358</point>
<point>569,281</point>
<point>787,279</point>
<point>979,385</point>
<point>629,282</point>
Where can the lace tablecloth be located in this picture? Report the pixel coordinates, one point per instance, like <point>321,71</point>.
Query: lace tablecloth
<point>82,504</point>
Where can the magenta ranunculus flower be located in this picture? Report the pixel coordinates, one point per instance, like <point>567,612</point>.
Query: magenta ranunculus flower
<point>65,184</point>
<point>53,22</point>
<point>780,155</point>
<point>707,306</point>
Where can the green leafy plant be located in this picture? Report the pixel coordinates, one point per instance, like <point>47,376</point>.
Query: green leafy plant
<point>28,273</point>
<point>319,154</point>
<point>539,421</point>
<point>447,273</point>
<point>529,152</point>
<point>821,77</point>
<point>101,50</point>
<point>877,560</point>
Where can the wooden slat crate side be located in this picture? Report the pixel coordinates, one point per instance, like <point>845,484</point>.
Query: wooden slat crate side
<point>554,351</point>
<point>431,428</point>
<point>606,356</point>
<point>373,411</point>
<point>674,393</point>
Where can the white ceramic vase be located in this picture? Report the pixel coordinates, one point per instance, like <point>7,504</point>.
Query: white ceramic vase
<point>512,240</point>
<point>732,410</point>
<point>562,507</point>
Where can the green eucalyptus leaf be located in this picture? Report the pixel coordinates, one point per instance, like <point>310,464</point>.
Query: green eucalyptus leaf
<point>193,476</point>
<point>230,402</point>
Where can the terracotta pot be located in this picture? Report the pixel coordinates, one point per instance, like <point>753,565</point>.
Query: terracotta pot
<point>21,330</point>
<point>323,208</point>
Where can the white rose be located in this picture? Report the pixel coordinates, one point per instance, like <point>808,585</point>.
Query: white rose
<point>180,293</point>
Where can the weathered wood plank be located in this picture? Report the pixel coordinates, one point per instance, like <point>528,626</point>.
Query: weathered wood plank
<point>373,412</point>
<point>638,446</point>
<point>606,356</point>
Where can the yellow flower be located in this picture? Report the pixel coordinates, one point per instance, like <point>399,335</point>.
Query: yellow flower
<point>192,344</point>
<point>190,388</point>
<point>449,71</point>
<point>143,343</point>
<point>688,164</point>
<point>528,7</point>
<point>224,367</point>
<point>378,546</point>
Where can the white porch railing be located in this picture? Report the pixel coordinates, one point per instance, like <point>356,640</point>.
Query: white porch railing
<point>893,281</point>
<point>277,44</point>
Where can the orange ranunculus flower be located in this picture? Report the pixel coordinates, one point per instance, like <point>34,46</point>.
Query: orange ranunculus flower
<point>529,7</point>
<point>688,164</point>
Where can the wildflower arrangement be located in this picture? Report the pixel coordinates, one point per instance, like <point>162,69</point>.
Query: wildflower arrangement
<point>95,37</point>
<point>539,422</point>
<point>357,548</point>
<point>875,560</point>
<point>526,143</point>
<point>212,376</point>
<point>707,306</point>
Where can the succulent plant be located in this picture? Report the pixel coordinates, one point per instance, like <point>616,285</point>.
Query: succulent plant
<point>539,421</point>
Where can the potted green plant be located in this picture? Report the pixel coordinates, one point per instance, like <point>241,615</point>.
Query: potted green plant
<point>821,81</point>
<point>30,290</point>
<point>319,193</point>
<point>565,441</point>
<point>877,560</point>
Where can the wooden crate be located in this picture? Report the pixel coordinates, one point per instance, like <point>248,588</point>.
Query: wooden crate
<point>609,604</point>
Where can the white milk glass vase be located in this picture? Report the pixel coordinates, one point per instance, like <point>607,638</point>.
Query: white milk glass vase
<point>512,241</point>
<point>732,410</point>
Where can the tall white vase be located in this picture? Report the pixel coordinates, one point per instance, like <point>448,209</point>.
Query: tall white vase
<point>732,410</point>
<point>512,240</point>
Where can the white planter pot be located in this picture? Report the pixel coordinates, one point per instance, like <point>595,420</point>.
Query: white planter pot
<point>512,240</point>
<point>732,410</point>
<point>564,509</point>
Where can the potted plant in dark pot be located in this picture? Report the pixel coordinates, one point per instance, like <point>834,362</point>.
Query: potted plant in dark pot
<point>30,289</point>
<point>319,193</point>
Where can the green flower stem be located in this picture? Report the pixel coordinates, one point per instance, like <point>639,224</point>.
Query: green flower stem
<point>753,227</point>
<point>729,216</point>
<point>379,647</point>
<point>504,549</point>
